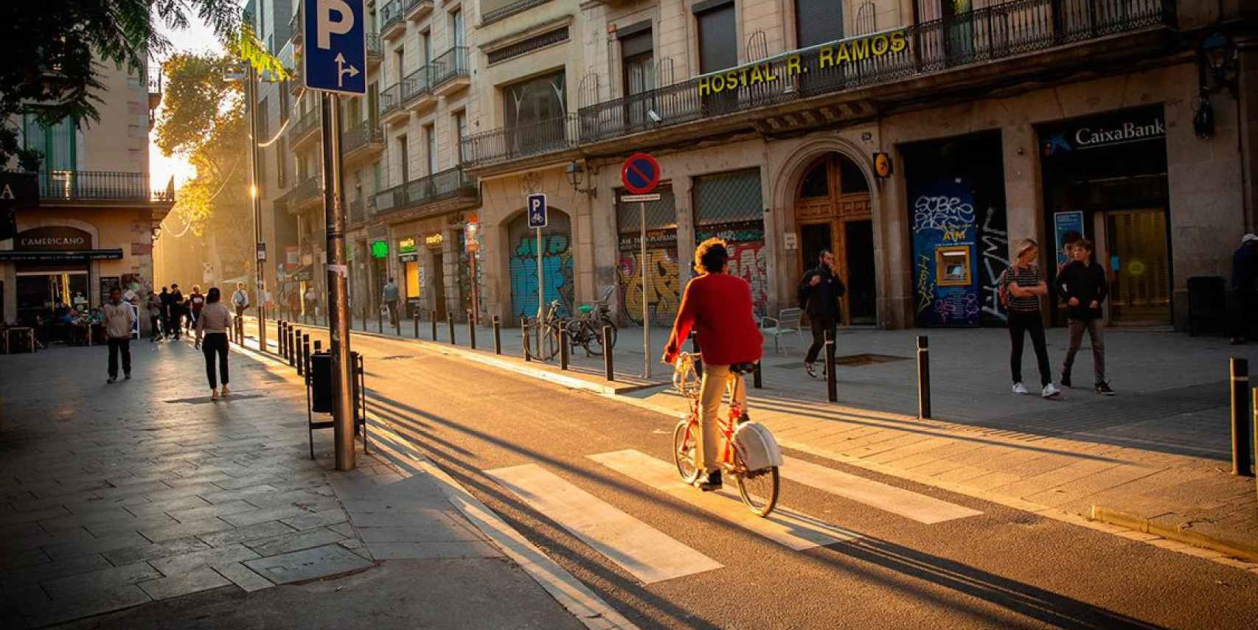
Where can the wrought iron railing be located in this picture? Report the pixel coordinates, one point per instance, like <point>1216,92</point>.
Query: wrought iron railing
<point>447,184</point>
<point>304,192</point>
<point>510,10</point>
<point>391,14</point>
<point>529,139</point>
<point>57,185</point>
<point>360,135</point>
<point>308,122</point>
<point>409,6</point>
<point>449,65</point>
<point>980,35</point>
<point>294,23</point>
<point>362,208</point>
<point>390,99</point>
<point>417,84</point>
<point>375,47</point>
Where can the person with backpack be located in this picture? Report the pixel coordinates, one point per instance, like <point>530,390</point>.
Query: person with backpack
<point>820,295</point>
<point>1082,285</point>
<point>1020,287</point>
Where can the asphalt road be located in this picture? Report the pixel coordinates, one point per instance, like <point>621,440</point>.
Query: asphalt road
<point>1002,568</point>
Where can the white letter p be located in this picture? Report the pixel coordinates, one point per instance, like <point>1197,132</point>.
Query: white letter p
<point>327,27</point>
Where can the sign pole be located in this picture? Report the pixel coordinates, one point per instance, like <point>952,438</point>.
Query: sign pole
<point>259,246</point>
<point>646,320</point>
<point>338,285</point>
<point>541,292</point>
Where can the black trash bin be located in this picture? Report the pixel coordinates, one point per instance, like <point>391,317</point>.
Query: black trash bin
<point>321,383</point>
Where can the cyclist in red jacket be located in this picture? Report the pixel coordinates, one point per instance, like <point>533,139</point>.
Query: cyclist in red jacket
<point>719,307</point>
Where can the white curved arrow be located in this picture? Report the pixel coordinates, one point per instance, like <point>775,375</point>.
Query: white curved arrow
<point>342,70</point>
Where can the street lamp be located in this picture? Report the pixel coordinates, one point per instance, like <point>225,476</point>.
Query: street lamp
<point>471,243</point>
<point>1221,59</point>
<point>575,174</point>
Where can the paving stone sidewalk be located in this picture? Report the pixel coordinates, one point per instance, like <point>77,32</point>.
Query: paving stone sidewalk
<point>116,496</point>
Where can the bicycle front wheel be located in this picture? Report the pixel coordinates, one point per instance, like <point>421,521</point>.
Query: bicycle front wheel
<point>759,489</point>
<point>685,440</point>
<point>584,335</point>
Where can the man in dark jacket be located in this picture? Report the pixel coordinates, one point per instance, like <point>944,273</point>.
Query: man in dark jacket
<point>819,294</point>
<point>1083,287</point>
<point>1244,279</point>
<point>176,311</point>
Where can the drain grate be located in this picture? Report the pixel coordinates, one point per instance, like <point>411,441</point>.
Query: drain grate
<point>849,360</point>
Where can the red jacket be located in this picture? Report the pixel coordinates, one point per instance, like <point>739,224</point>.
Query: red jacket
<point>718,305</point>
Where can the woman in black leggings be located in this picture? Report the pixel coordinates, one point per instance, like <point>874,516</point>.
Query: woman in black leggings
<point>1023,284</point>
<point>213,324</point>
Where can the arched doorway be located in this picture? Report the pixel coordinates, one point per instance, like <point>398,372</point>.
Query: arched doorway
<point>833,211</point>
<point>556,264</point>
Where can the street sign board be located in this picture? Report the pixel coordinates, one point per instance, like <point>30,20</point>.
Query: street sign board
<point>262,252</point>
<point>538,216</point>
<point>336,45</point>
<point>640,173</point>
<point>639,198</point>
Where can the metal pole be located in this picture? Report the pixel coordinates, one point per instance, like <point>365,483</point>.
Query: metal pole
<point>757,380</point>
<point>433,321</point>
<point>415,316</point>
<point>497,335</point>
<point>471,329</point>
<point>646,320</point>
<point>303,366</point>
<point>524,341</point>
<point>832,389</point>
<point>280,327</point>
<point>923,377</point>
<point>1241,454</point>
<point>397,322</point>
<point>563,348</point>
<point>471,257</point>
<point>259,263</point>
<point>608,365</point>
<point>450,325</point>
<point>338,286</point>
<point>292,339</point>
<point>541,291</point>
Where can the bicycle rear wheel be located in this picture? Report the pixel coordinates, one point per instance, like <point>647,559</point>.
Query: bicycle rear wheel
<point>583,334</point>
<point>550,341</point>
<point>759,489</point>
<point>685,441</point>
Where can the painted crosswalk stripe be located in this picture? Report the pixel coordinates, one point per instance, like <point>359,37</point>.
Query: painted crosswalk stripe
<point>784,526</point>
<point>649,554</point>
<point>918,507</point>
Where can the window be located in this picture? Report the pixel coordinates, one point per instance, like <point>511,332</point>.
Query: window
<point>55,143</point>
<point>404,158</point>
<point>284,104</point>
<point>373,102</point>
<point>535,100</point>
<point>818,22</point>
<point>397,62</point>
<point>456,27</point>
<point>718,36</point>
<point>425,38</point>
<point>281,164</point>
<point>430,147</point>
<point>460,131</point>
<point>377,177</point>
<point>637,62</point>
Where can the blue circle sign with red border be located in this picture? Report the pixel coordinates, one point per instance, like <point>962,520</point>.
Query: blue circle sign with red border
<point>640,174</point>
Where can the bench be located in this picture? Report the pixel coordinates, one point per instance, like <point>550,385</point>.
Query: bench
<point>788,321</point>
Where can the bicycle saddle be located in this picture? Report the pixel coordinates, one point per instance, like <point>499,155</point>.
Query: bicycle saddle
<point>742,368</point>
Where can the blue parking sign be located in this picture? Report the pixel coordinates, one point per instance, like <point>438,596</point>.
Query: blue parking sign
<point>538,216</point>
<point>335,45</point>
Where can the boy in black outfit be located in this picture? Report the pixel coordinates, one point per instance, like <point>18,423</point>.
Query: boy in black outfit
<point>1083,287</point>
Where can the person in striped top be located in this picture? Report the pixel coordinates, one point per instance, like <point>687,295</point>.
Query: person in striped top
<point>1023,284</point>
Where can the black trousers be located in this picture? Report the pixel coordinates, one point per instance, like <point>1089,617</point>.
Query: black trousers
<point>117,346</point>
<point>1019,324</point>
<point>155,324</point>
<point>214,345</point>
<point>821,324</point>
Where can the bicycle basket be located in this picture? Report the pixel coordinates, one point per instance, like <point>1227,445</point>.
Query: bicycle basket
<point>757,447</point>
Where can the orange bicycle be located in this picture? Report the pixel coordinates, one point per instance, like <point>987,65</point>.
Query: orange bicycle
<point>748,452</point>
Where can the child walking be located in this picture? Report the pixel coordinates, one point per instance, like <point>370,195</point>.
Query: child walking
<point>1083,286</point>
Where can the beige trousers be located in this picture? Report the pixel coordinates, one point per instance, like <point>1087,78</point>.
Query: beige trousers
<point>716,379</point>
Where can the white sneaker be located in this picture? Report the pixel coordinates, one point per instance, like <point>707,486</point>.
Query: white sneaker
<point>1050,391</point>
<point>1019,389</point>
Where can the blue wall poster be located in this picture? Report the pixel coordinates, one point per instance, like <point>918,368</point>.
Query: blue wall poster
<point>945,229</point>
<point>1064,222</point>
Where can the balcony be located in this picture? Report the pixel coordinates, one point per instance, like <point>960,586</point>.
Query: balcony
<point>302,197</point>
<point>416,10</point>
<point>545,137</point>
<point>449,190</point>
<point>417,89</point>
<point>509,10</point>
<point>67,188</point>
<point>833,83</point>
<point>449,72</point>
<point>375,51</point>
<point>294,25</point>
<point>392,26</point>
<point>391,111</point>
<point>303,130</point>
<point>362,209</point>
<point>364,140</point>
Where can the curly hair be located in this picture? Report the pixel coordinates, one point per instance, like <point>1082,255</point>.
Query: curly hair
<point>710,256</point>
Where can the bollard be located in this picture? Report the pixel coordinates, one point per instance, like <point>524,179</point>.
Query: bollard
<point>923,377</point>
<point>756,380</point>
<point>397,323</point>
<point>450,325</point>
<point>292,345</point>
<point>380,321</point>
<point>434,325</point>
<point>497,335</point>
<point>563,348</point>
<point>415,316</point>
<point>303,366</point>
<point>524,339</point>
<point>1241,455</point>
<point>1255,433</point>
<point>280,327</point>
<point>832,389</point>
<point>318,346</point>
<point>471,330</point>
<point>608,366</point>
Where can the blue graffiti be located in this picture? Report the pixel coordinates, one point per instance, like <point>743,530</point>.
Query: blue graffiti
<point>556,269</point>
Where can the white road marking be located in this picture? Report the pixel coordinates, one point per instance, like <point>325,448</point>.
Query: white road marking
<point>784,526</point>
<point>918,507</point>
<point>649,554</point>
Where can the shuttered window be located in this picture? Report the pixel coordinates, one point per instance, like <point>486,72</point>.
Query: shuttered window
<point>718,37</point>
<point>731,197</point>
<point>818,21</point>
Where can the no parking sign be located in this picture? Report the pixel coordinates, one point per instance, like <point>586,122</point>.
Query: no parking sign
<point>640,174</point>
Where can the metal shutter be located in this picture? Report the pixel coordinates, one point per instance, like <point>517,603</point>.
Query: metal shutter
<point>818,21</point>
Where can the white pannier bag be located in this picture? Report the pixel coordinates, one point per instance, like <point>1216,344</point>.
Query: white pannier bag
<point>757,447</point>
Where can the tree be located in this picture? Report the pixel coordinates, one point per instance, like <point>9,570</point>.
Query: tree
<point>56,47</point>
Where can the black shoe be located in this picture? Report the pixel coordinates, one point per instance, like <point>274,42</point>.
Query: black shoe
<point>1103,389</point>
<point>812,371</point>
<point>712,483</point>
<point>128,376</point>
<point>1065,380</point>
<point>110,380</point>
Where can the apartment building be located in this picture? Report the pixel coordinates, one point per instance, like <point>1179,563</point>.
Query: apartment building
<point>98,214</point>
<point>917,139</point>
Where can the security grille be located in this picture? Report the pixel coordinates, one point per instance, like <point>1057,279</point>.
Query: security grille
<point>727,198</point>
<point>661,219</point>
<point>529,45</point>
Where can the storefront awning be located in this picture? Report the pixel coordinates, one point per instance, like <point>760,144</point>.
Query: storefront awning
<point>60,256</point>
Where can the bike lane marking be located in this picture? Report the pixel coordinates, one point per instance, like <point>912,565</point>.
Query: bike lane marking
<point>647,553</point>
<point>784,526</point>
<point>906,503</point>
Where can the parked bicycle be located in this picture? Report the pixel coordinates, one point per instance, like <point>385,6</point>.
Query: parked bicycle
<point>748,452</point>
<point>586,329</point>
<point>541,337</point>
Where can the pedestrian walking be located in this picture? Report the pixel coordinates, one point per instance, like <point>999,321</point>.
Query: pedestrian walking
<point>118,319</point>
<point>212,340</point>
<point>196,301</point>
<point>154,308</point>
<point>165,297</point>
<point>1245,289</point>
<point>1083,286</point>
<point>293,298</point>
<point>390,296</point>
<point>176,312</point>
<point>1021,286</point>
<point>240,299</point>
<point>820,295</point>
